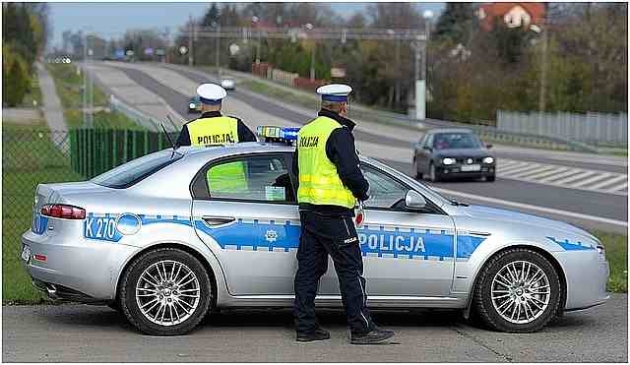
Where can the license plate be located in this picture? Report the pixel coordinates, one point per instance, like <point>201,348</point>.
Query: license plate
<point>467,168</point>
<point>26,253</point>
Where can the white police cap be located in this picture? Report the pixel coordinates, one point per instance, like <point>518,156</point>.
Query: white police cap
<point>211,94</point>
<point>334,92</point>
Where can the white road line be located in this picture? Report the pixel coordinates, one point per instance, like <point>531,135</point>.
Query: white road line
<point>621,187</point>
<point>569,179</point>
<point>560,176</point>
<point>533,207</point>
<point>518,166</point>
<point>591,180</point>
<point>504,164</point>
<point>610,182</point>
<point>548,173</point>
<point>531,167</point>
<point>527,174</point>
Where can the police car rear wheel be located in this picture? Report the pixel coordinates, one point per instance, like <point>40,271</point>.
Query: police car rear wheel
<point>518,291</point>
<point>165,292</point>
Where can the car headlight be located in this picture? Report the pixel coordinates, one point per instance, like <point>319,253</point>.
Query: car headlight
<point>448,161</point>
<point>191,106</point>
<point>488,160</point>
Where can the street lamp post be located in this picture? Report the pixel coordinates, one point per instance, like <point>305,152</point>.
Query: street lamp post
<point>255,21</point>
<point>420,71</point>
<point>309,26</point>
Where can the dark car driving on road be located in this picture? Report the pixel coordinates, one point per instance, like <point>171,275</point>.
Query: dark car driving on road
<point>453,153</point>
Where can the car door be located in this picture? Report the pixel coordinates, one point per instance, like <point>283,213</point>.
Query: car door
<point>405,252</point>
<point>252,227</point>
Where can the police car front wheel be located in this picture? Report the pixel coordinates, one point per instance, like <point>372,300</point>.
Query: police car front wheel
<point>165,292</point>
<point>518,290</point>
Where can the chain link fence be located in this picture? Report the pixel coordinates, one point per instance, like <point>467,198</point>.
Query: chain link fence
<point>32,156</point>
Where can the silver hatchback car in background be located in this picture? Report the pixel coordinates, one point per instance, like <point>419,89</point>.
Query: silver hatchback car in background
<point>155,239</point>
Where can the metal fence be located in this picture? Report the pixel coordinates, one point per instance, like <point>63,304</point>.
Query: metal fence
<point>592,128</point>
<point>139,117</point>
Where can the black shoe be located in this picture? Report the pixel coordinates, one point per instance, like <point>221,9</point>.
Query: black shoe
<point>317,335</point>
<point>376,336</point>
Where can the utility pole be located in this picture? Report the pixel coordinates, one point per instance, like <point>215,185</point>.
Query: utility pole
<point>313,61</point>
<point>190,41</point>
<point>217,50</point>
<point>542,95</point>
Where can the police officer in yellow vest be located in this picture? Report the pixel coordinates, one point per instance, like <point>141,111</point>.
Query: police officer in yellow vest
<point>330,183</point>
<point>213,128</point>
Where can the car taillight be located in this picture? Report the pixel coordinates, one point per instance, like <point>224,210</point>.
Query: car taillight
<point>63,211</point>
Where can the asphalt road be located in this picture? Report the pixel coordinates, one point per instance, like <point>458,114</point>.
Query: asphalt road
<point>558,199</point>
<point>80,333</point>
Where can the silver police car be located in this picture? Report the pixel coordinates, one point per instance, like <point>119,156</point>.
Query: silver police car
<point>156,240</point>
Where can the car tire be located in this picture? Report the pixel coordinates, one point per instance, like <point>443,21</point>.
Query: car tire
<point>186,309</point>
<point>433,175</point>
<point>415,171</point>
<point>491,178</point>
<point>493,310</point>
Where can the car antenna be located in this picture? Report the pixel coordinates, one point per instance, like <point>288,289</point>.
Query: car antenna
<point>175,147</point>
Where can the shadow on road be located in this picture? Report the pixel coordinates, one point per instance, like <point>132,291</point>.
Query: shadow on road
<point>78,316</point>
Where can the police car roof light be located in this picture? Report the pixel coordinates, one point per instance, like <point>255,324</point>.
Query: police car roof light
<point>281,134</point>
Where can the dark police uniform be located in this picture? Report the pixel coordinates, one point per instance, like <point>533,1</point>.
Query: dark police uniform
<point>214,128</point>
<point>326,195</point>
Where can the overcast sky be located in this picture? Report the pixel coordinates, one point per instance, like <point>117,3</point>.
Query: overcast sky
<point>112,19</point>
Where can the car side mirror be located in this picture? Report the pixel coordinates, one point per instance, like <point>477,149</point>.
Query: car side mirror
<point>428,148</point>
<point>414,200</point>
<point>488,145</point>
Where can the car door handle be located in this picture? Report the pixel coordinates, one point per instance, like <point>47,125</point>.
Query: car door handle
<point>217,220</point>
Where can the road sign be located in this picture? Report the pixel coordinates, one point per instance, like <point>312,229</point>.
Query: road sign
<point>148,51</point>
<point>159,52</point>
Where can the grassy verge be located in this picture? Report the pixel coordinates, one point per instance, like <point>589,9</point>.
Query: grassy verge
<point>616,246</point>
<point>68,84</point>
<point>33,97</point>
<point>28,158</point>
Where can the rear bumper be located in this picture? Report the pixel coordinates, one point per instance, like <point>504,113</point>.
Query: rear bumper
<point>82,270</point>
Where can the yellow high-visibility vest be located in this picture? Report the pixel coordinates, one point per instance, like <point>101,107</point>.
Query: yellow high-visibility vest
<point>319,181</point>
<point>229,177</point>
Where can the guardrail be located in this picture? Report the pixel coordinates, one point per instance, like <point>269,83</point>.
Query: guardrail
<point>139,117</point>
<point>592,128</point>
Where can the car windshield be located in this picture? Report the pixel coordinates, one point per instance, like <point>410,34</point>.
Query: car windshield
<point>446,141</point>
<point>134,171</point>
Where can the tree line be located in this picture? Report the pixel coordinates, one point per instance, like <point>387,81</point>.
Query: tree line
<point>25,33</point>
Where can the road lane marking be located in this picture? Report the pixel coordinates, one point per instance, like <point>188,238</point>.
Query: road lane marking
<point>569,179</point>
<point>560,176</point>
<point>529,173</point>
<point>509,203</point>
<point>592,179</point>
<point>620,187</point>
<point>610,182</point>
<point>547,173</point>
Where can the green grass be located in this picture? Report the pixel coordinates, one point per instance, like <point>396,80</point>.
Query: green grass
<point>33,94</point>
<point>616,247</point>
<point>28,158</point>
<point>68,84</point>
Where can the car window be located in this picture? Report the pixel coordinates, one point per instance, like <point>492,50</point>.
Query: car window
<point>429,141</point>
<point>443,141</point>
<point>251,178</point>
<point>132,172</point>
<point>385,192</point>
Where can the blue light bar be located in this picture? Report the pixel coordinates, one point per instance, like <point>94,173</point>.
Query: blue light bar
<point>284,134</point>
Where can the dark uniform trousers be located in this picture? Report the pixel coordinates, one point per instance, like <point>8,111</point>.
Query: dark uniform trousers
<point>335,236</point>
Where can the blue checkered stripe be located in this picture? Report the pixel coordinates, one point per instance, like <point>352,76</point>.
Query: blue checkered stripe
<point>571,246</point>
<point>102,227</point>
<point>382,241</point>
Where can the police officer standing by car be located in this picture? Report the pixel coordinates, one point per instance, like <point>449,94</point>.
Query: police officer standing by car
<point>330,183</point>
<point>212,127</point>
